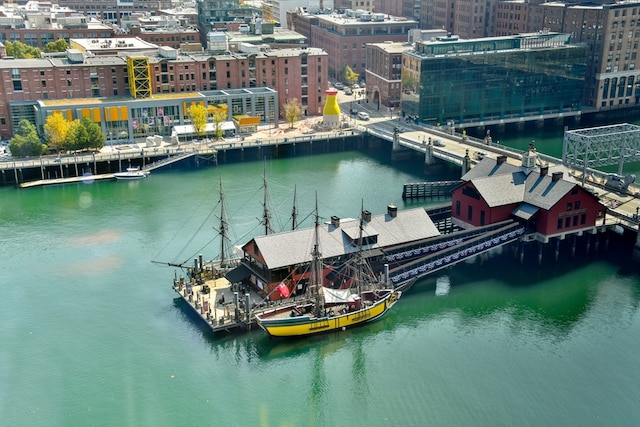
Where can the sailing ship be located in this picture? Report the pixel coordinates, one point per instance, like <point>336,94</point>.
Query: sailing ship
<point>364,300</point>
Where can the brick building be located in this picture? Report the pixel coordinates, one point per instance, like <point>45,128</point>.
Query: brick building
<point>344,36</point>
<point>293,73</point>
<point>549,201</point>
<point>384,73</point>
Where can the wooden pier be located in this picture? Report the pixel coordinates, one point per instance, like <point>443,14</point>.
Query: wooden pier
<point>429,190</point>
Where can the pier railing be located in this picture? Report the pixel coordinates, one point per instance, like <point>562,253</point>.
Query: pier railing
<point>452,251</point>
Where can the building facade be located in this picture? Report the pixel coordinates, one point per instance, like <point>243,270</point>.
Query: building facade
<point>344,36</point>
<point>292,73</point>
<point>612,32</point>
<point>384,73</point>
<point>494,80</point>
<point>549,201</point>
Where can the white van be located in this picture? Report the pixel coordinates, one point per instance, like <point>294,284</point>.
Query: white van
<point>363,116</point>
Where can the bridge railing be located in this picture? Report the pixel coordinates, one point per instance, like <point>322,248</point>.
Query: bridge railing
<point>455,253</point>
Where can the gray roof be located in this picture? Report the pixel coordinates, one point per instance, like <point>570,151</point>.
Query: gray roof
<point>295,247</point>
<point>502,184</point>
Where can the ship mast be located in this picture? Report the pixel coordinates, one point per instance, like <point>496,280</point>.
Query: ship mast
<point>358,272</point>
<point>294,211</point>
<point>223,230</point>
<point>316,268</point>
<point>266,215</point>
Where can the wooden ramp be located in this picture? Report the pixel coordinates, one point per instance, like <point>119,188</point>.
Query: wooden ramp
<point>169,160</point>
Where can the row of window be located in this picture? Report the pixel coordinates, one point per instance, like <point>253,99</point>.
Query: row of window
<point>571,221</point>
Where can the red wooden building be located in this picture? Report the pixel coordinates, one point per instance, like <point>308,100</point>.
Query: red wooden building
<point>548,200</point>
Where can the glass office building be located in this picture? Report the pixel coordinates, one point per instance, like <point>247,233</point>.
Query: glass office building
<point>493,80</point>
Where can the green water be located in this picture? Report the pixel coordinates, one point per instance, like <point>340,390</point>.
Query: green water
<point>91,333</point>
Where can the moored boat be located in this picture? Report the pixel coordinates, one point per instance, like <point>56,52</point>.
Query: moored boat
<point>132,173</point>
<point>328,309</point>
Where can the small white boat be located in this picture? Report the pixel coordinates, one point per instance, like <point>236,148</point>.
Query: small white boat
<point>131,173</point>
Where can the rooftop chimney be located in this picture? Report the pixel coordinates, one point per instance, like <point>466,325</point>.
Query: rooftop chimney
<point>392,210</point>
<point>335,221</point>
<point>366,216</point>
<point>544,170</point>
<point>501,159</point>
<point>556,176</point>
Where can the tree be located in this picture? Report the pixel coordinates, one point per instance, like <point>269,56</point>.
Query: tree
<point>96,137</point>
<point>21,50</point>
<point>59,45</point>
<point>198,115</point>
<point>26,141</point>
<point>56,128</point>
<point>78,137</point>
<point>85,134</point>
<point>349,75</point>
<point>218,118</point>
<point>292,111</point>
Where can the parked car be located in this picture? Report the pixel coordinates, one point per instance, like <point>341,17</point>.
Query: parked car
<point>353,111</point>
<point>339,86</point>
<point>438,143</point>
<point>398,129</point>
<point>363,116</point>
<point>348,91</point>
<point>479,155</point>
<point>355,86</point>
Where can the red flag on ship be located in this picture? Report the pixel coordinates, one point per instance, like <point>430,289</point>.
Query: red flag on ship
<point>284,290</point>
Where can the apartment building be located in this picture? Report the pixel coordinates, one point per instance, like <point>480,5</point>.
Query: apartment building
<point>293,73</point>
<point>344,35</point>
<point>612,32</point>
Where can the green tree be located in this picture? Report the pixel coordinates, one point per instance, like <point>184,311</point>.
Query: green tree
<point>96,137</point>
<point>349,75</point>
<point>218,118</point>
<point>78,137</point>
<point>292,111</point>
<point>198,115</point>
<point>26,142</point>
<point>59,45</point>
<point>21,50</point>
<point>56,128</point>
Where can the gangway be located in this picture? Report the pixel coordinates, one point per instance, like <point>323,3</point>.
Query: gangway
<point>420,259</point>
<point>169,160</point>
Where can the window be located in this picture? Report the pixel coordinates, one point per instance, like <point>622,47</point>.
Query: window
<point>470,213</point>
<point>569,206</point>
<point>44,83</point>
<point>567,222</point>
<point>559,226</point>
<point>457,207</point>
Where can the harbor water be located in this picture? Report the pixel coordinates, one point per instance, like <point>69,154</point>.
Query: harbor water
<point>92,334</point>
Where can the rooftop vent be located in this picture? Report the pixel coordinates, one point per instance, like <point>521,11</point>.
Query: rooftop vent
<point>392,210</point>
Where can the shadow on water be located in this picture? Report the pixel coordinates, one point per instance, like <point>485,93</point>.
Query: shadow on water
<point>553,297</point>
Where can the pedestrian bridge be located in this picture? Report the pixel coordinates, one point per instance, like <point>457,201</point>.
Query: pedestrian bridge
<point>419,259</point>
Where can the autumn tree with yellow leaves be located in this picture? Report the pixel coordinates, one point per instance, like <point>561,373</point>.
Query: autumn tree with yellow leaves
<point>56,129</point>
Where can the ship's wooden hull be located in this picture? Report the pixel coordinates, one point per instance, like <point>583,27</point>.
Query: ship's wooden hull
<point>277,325</point>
